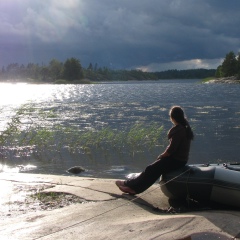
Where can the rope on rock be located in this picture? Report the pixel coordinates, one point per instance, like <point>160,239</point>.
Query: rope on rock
<point>110,210</point>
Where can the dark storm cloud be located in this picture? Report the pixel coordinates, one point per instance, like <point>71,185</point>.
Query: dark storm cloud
<point>151,35</point>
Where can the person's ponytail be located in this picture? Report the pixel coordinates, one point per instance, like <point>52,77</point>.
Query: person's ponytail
<point>189,131</point>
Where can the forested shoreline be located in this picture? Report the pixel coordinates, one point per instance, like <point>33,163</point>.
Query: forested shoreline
<point>72,71</point>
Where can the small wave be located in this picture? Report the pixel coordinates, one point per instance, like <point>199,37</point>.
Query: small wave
<point>17,169</point>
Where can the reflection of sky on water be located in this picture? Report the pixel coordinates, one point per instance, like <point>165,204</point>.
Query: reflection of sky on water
<point>213,110</point>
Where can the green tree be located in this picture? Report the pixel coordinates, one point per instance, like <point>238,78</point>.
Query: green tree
<point>55,69</point>
<point>229,65</point>
<point>2,73</point>
<point>95,67</point>
<point>90,67</point>
<point>219,73</point>
<point>44,73</point>
<point>73,69</point>
<point>3,69</point>
<point>238,65</point>
<point>33,71</point>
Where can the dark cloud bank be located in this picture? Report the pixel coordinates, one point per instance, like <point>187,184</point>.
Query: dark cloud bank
<point>150,35</point>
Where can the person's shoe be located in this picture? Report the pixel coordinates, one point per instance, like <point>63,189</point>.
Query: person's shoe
<point>120,183</point>
<point>124,188</point>
<point>127,190</point>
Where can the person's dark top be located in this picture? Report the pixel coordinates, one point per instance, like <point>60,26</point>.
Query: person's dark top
<point>179,146</point>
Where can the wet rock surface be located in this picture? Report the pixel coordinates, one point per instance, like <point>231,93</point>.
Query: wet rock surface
<point>32,199</point>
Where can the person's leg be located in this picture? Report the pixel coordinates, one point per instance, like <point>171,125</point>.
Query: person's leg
<point>152,172</point>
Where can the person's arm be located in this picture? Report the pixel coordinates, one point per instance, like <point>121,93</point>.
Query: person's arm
<point>164,154</point>
<point>172,147</point>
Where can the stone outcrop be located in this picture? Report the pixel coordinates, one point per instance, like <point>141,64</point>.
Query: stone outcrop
<point>230,80</point>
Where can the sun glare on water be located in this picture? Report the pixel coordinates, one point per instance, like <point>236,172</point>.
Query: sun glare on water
<point>21,93</point>
<point>15,95</point>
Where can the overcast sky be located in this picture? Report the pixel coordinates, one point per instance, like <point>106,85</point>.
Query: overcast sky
<point>151,35</point>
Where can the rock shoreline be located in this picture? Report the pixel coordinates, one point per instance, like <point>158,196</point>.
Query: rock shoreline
<point>229,80</point>
<point>100,210</point>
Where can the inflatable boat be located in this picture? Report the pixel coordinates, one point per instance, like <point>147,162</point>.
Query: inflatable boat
<point>207,182</point>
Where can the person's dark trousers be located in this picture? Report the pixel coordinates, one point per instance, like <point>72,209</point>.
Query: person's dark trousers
<point>152,172</point>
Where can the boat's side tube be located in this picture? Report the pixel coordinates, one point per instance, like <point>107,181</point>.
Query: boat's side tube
<point>226,187</point>
<point>195,184</point>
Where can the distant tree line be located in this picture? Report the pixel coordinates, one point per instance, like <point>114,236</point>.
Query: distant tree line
<point>230,66</point>
<point>72,71</point>
<point>186,74</point>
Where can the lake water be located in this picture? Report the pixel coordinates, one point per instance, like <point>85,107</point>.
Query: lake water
<point>213,111</point>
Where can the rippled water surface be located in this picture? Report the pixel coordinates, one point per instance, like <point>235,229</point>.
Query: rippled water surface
<point>212,109</point>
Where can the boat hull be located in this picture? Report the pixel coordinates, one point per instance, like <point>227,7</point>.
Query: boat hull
<point>203,183</point>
